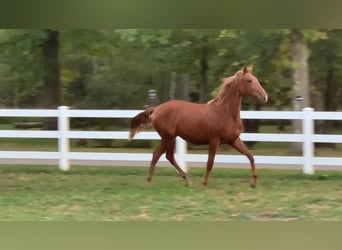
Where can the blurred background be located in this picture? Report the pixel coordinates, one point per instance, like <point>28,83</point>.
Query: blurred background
<point>132,68</point>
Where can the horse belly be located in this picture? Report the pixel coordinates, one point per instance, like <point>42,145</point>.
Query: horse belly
<point>194,139</point>
<point>193,132</point>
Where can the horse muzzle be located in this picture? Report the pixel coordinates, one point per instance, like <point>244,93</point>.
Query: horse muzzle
<point>263,98</point>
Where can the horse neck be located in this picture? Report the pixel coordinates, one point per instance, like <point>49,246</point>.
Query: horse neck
<point>232,103</point>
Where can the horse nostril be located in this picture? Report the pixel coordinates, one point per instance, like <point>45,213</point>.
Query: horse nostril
<point>263,98</point>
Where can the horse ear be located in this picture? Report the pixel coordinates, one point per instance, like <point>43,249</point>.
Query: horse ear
<point>250,69</point>
<point>247,69</point>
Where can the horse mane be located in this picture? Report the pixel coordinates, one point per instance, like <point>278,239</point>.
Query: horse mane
<point>222,94</point>
<point>226,82</point>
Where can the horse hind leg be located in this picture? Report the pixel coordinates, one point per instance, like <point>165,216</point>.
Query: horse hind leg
<point>170,156</point>
<point>156,155</point>
<point>241,147</point>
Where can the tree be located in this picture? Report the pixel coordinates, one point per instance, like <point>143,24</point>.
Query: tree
<point>301,97</point>
<point>325,68</point>
<point>51,78</point>
<point>326,77</point>
<point>32,55</point>
<point>301,91</point>
<point>116,68</point>
<point>20,67</point>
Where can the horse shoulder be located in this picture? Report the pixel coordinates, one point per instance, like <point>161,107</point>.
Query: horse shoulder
<point>229,128</point>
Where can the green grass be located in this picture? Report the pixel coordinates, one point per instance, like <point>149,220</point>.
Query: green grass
<point>31,193</point>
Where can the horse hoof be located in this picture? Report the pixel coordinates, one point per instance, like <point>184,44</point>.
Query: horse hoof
<point>149,182</point>
<point>253,186</point>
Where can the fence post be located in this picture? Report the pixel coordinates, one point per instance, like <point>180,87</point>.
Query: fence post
<point>63,140</point>
<point>181,148</point>
<point>308,145</point>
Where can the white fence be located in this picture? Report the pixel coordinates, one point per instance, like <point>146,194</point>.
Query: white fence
<point>63,134</point>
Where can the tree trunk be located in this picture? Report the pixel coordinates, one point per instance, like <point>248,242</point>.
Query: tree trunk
<point>185,83</point>
<point>330,98</point>
<point>51,79</point>
<point>204,75</point>
<point>301,95</point>
<point>331,89</point>
<point>173,85</point>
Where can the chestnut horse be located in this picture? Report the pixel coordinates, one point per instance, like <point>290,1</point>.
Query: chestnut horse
<point>214,123</point>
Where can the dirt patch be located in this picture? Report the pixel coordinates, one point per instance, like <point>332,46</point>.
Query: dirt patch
<point>317,206</point>
<point>75,208</point>
<point>273,217</point>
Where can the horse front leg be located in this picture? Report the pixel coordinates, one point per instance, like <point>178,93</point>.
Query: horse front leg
<point>241,147</point>
<point>211,157</point>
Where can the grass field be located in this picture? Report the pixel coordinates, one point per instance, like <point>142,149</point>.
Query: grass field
<point>44,193</point>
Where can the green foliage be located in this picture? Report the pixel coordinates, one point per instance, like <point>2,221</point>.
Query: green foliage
<point>20,67</point>
<point>326,71</point>
<point>103,68</point>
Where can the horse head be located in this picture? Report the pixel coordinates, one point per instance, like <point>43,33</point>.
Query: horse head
<point>248,84</point>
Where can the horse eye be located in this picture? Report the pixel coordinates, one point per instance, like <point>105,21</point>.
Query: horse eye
<point>249,81</point>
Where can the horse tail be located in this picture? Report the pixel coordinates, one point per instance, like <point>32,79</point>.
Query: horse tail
<point>140,122</point>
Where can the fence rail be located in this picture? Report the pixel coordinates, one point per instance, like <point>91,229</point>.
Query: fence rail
<point>63,134</point>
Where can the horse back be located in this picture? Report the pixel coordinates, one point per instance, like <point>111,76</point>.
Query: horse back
<point>177,110</point>
<point>184,119</point>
